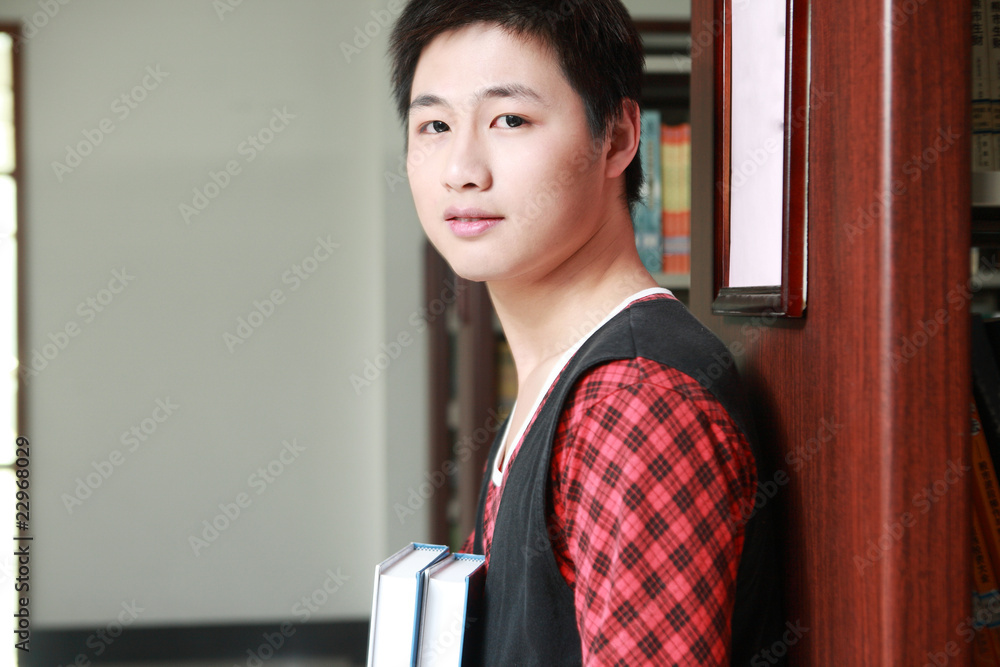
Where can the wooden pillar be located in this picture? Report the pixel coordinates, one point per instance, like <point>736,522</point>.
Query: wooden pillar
<point>864,402</point>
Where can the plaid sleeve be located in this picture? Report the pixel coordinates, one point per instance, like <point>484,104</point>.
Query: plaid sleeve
<point>648,470</point>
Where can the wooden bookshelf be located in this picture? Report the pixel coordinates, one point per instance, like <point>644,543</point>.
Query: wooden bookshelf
<point>986,226</point>
<point>666,88</point>
<point>462,397</point>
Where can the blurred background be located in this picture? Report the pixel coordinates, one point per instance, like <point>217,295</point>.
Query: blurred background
<point>223,369</point>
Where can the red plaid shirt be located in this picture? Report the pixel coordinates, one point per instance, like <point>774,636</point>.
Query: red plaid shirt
<point>647,473</point>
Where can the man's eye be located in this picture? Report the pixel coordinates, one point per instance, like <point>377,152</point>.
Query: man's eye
<point>436,127</point>
<point>509,121</point>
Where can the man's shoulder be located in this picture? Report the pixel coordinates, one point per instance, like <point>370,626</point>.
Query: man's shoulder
<point>634,379</point>
<point>657,345</point>
<point>667,328</point>
<point>663,330</point>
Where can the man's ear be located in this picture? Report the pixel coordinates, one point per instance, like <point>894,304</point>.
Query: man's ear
<point>623,139</point>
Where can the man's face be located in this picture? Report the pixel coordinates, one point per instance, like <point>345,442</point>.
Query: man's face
<point>506,177</point>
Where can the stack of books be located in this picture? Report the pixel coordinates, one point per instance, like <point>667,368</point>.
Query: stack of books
<point>662,217</point>
<point>985,421</point>
<point>985,85</point>
<point>425,607</point>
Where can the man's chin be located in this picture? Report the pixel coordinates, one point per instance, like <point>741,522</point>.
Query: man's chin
<point>471,274</point>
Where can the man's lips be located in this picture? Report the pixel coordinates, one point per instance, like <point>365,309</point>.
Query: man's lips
<point>467,222</point>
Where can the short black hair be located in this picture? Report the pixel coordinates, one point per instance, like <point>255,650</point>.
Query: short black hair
<point>595,41</point>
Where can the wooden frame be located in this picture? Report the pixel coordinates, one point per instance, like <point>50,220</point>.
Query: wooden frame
<point>785,296</point>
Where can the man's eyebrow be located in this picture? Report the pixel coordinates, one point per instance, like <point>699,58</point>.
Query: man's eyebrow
<point>510,90</point>
<point>515,91</point>
<point>424,101</point>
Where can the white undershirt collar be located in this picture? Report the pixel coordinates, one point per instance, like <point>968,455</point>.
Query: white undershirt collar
<point>498,471</point>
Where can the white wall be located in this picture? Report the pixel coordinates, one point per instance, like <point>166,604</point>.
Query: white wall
<point>161,338</point>
<point>667,9</point>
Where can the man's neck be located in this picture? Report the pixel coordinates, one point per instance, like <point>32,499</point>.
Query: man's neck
<point>544,316</point>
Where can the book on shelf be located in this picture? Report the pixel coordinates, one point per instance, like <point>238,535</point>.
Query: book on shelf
<point>986,490</point>
<point>993,334</point>
<point>992,37</point>
<point>396,602</point>
<point>982,652</point>
<point>983,153</point>
<point>986,384</point>
<point>675,148</point>
<point>985,596</point>
<point>425,607</point>
<point>985,436</point>
<point>646,212</point>
<point>453,597</point>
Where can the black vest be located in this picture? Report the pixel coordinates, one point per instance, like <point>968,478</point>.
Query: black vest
<point>529,616</point>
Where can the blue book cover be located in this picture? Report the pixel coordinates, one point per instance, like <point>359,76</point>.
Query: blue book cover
<point>647,214</point>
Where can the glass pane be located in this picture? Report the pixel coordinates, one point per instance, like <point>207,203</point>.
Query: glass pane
<point>8,348</point>
<point>8,207</point>
<point>6,104</point>
<point>8,418</point>
<point>8,340</point>
<point>757,135</point>
<point>6,56</point>
<point>8,305</point>
<point>6,148</point>
<point>8,568</point>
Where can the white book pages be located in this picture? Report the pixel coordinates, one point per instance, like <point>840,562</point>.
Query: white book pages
<point>445,612</point>
<point>395,606</point>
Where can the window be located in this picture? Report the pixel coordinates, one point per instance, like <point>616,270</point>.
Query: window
<point>9,423</point>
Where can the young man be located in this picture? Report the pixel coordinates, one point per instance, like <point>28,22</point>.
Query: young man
<point>613,514</point>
